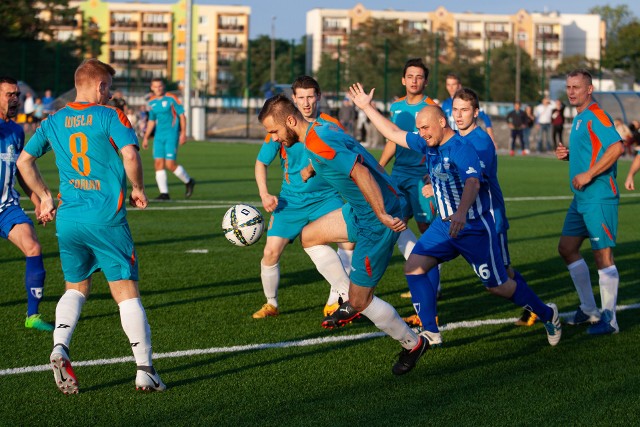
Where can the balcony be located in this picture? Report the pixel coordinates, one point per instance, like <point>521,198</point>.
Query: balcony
<point>332,29</point>
<point>229,45</point>
<point>470,34</point>
<point>123,44</point>
<point>549,36</point>
<point>123,62</point>
<point>121,24</point>
<point>155,44</point>
<point>61,24</point>
<point>224,62</point>
<point>548,53</point>
<point>231,28</point>
<point>498,35</point>
<point>155,26</point>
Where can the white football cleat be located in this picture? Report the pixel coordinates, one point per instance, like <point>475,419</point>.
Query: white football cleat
<point>62,371</point>
<point>149,382</point>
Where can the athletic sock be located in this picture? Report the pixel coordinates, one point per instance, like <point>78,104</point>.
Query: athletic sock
<point>182,174</point>
<point>135,325</point>
<point>67,315</point>
<point>527,299</point>
<point>328,264</point>
<point>423,295</point>
<point>609,280</point>
<point>579,272</point>
<point>346,255</point>
<point>270,276</point>
<point>387,319</point>
<point>34,283</point>
<point>161,180</point>
<point>406,241</point>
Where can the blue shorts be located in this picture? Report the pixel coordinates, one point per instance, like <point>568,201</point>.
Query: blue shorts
<point>598,222</point>
<point>293,213</point>
<point>477,243</point>
<point>165,148</point>
<point>411,189</point>
<point>85,248</point>
<point>374,247</point>
<point>10,217</point>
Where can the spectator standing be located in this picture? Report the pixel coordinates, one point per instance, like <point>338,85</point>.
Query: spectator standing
<point>529,120</point>
<point>47,102</point>
<point>543,113</point>
<point>557,121</point>
<point>515,121</point>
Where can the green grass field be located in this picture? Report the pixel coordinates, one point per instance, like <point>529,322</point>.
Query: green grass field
<point>285,371</point>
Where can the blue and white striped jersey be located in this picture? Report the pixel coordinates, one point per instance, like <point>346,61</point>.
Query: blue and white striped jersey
<point>11,145</point>
<point>449,166</point>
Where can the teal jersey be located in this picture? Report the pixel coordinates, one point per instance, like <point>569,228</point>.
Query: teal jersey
<point>165,111</point>
<point>408,162</point>
<point>86,139</point>
<point>592,132</point>
<point>333,154</point>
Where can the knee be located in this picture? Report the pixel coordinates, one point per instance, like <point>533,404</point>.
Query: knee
<point>32,248</point>
<point>360,302</point>
<point>270,256</point>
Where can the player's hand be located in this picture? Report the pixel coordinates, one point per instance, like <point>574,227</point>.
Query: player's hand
<point>307,172</point>
<point>458,221</point>
<point>395,224</point>
<point>427,190</point>
<point>580,181</point>
<point>47,211</point>
<point>183,139</point>
<point>359,96</point>
<point>138,199</point>
<point>145,143</point>
<point>628,183</point>
<point>562,152</point>
<point>269,202</point>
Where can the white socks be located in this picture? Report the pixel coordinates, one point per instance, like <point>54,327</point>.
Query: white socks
<point>182,174</point>
<point>67,315</point>
<point>579,272</point>
<point>161,180</point>
<point>345,258</point>
<point>406,242</point>
<point>609,280</point>
<point>328,264</point>
<point>387,319</point>
<point>135,325</point>
<point>270,276</point>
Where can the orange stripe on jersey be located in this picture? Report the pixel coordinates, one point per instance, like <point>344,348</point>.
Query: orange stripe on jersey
<point>267,138</point>
<point>600,114</point>
<point>335,121</point>
<point>613,186</point>
<point>113,144</point>
<point>367,265</point>
<point>606,230</point>
<point>430,101</point>
<point>121,116</point>
<point>596,145</point>
<point>170,95</point>
<point>80,106</point>
<point>316,145</point>
<point>132,260</point>
<point>174,114</point>
<point>120,201</point>
<point>402,98</point>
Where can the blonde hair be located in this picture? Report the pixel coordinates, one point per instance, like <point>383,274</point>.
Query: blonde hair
<point>92,70</point>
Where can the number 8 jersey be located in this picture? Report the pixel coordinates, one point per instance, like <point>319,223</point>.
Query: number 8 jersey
<point>86,139</point>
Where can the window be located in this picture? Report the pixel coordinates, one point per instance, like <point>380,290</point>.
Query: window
<point>202,20</point>
<point>203,38</point>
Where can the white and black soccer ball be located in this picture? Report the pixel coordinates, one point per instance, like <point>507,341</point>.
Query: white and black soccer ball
<point>243,225</point>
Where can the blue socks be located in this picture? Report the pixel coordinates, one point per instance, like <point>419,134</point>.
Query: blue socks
<point>525,297</point>
<point>34,283</point>
<point>424,289</point>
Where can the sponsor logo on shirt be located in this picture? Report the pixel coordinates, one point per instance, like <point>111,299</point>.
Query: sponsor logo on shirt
<point>10,156</point>
<point>471,170</point>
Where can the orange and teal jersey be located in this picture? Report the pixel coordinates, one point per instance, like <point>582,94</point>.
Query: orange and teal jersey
<point>408,162</point>
<point>592,133</point>
<point>86,139</point>
<point>165,111</point>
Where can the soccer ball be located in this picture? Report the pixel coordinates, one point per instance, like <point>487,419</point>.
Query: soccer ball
<point>243,225</point>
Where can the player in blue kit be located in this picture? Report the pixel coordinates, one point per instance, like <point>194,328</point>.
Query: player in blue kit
<point>593,152</point>
<point>15,225</point>
<point>465,225</point>
<point>166,116</point>
<point>298,204</point>
<point>372,218</point>
<point>88,139</point>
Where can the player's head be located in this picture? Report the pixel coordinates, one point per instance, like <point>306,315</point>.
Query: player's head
<point>93,80</point>
<point>306,95</point>
<point>9,97</point>
<point>280,118</point>
<point>465,108</point>
<point>415,76</point>
<point>452,83</point>
<point>432,125</point>
<point>579,88</point>
<point>157,86</point>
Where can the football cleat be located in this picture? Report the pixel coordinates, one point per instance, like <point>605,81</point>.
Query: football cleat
<point>146,381</point>
<point>62,371</point>
<point>405,294</point>
<point>412,320</point>
<point>267,310</point>
<point>343,315</point>
<point>162,197</point>
<point>434,338</point>
<point>604,326</point>
<point>35,322</point>
<point>407,359</point>
<point>329,309</point>
<point>189,188</point>
<point>553,326</point>
<point>527,319</point>
<point>581,317</point>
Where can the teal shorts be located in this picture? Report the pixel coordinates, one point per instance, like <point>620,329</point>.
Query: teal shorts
<point>598,222</point>
<point>296,211</point>
<point>165,148</point>
<point>411,189</point>
<point>374,247</point>
<point>85,248</point>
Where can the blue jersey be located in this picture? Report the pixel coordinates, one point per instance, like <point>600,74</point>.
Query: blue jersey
<point>592,132</point>
<point>483,144</point>
<point>86,139</point>
<point>449,166</point>
<point>447,107</point>
<point>334,153</point>
<point>166,111</point>
<point>408,163</point>
<point>11,145</point>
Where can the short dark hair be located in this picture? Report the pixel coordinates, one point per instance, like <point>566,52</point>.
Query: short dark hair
<point>467,94</point>
<point>581,72</point>
<point>158,79</point>
<point>7,79</point>
<point>452,76</point>
<point>305,82</point>
<point>416,62</point>
<point>279,107</point>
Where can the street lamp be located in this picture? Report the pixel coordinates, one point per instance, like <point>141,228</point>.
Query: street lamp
<point>273,50</point>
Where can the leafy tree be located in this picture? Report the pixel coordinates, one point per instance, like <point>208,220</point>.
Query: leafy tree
<point>614,17</point>
<point>570,63</point>
<point>502,75</point>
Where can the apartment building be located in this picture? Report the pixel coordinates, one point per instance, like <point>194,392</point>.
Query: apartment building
<point>546,37</point>
<point>146,40</point>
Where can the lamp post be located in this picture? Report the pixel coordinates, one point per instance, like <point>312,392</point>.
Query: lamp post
<point>273,50</point>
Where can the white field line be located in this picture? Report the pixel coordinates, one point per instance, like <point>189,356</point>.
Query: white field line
<point>284,344</point>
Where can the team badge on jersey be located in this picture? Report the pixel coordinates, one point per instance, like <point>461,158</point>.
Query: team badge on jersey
<point>578,124</point>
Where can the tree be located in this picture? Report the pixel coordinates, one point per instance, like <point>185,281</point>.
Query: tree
<point>614,17</point>
<point>503,69</point>
<point>573,62</point>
